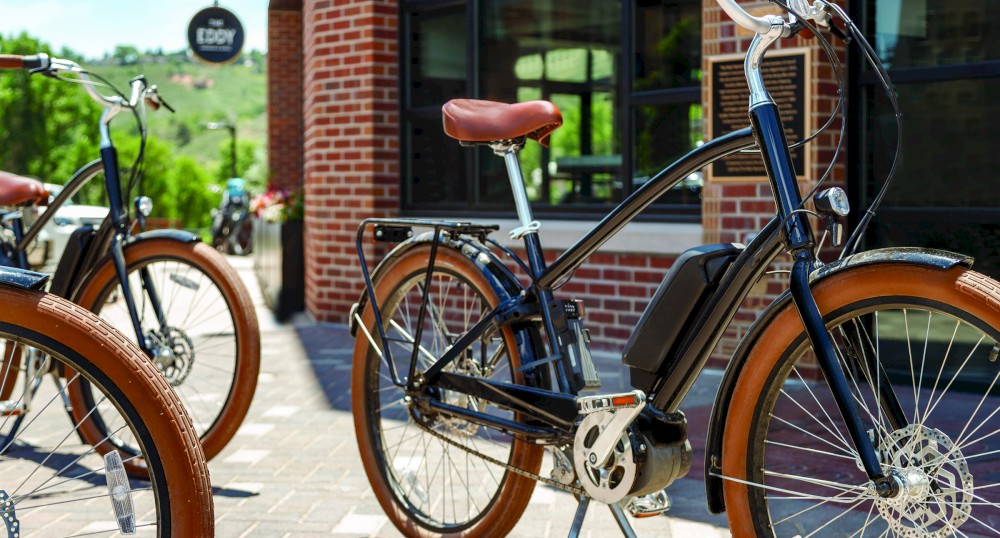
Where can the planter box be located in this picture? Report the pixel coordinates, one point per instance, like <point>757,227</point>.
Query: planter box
<point>280,266</point>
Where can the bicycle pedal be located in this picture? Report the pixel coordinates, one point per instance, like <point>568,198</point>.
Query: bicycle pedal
<point>649,505</point>
<point>586,405</point>
<point>11,409</point>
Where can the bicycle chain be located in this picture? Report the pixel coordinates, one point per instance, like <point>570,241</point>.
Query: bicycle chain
<point>578,491</point>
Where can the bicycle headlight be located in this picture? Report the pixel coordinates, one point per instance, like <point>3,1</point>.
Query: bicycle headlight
<point>143,205</point>
<point>833,201</point>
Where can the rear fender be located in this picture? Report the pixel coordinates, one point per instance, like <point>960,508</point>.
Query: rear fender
<point>503,282</point>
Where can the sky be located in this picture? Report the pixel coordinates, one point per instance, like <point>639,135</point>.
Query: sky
<point>94,27</point>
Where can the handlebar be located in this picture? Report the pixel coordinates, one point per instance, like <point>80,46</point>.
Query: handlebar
<point>762,25</point>
<point>759,25</point>
<point>17,61</point>
<point>41,62</point>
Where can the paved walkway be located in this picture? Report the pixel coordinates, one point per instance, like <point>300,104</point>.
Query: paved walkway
<point>294,470</point>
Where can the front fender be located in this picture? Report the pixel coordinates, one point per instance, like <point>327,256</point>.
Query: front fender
<point>938,259</point>
<point>180,236</point>
<point>503,282</point>
<point>22,278</point>
<point>175,235</point>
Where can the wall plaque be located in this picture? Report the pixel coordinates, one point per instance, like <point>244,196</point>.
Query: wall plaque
<point>788,78</point>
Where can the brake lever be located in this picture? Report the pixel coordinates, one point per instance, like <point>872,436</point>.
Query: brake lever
<point>835,30</point>
<point>45,71</point>
<point>155,98</point>
<point>164,103</point>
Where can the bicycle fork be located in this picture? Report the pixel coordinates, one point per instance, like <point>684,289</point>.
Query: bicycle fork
<point>799,241</point>
<point>112,181</point>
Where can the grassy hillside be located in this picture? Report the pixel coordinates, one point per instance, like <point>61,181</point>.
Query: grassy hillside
<point>200,93</point>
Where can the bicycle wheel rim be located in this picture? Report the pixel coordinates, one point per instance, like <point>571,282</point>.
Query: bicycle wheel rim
<point>58,484</point>
<point>209,312</point>
<point>933,354</point>
<point>409,484</point>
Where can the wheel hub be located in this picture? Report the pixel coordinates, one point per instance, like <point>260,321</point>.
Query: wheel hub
<point>935,486</point>
<point>173,352</point>
<point>453,425</point>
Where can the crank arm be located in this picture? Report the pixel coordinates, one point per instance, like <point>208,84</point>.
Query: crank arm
<point>624,408</point>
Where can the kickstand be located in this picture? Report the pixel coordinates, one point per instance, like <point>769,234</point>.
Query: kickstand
<point>623,523</point>
<point>581,511</point>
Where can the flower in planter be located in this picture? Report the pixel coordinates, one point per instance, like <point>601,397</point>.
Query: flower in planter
<point>278,205</point>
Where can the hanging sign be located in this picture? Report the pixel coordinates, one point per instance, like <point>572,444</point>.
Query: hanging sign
<point>216,35</point>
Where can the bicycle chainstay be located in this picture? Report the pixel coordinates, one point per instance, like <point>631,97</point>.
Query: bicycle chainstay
<point>578,491</point>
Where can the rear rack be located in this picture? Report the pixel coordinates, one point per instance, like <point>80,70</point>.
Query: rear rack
<point>397,231</point>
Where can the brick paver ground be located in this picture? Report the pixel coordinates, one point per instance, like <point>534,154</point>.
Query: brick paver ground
<point>294,470</point>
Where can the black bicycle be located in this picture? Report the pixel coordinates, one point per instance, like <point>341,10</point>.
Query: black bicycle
<point>863,402</point>
<point>187,307</point>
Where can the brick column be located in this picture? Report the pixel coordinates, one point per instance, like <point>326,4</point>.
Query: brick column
<point>284,103</point>
<point>732,210</point>
<point>351,111</point>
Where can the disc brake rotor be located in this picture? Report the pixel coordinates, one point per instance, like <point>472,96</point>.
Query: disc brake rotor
<point>173,352</point>
<point>936,496</point>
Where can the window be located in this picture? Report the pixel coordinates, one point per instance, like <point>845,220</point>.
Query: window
<point>630,101</point>
<point>944,59</point>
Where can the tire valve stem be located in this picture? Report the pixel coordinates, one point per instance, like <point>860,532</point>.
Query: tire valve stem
<point>994,352</point>
<point>120,492</point>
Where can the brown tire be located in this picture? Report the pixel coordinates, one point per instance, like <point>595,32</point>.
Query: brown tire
<point>10,367</point>
<point>932,334</point>
<point>212,338</point>
<point>62,337</point>
<point>493,501</point>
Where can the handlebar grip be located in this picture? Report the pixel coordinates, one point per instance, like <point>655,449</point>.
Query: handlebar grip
<point>17,61</point>
<point>11,61</point>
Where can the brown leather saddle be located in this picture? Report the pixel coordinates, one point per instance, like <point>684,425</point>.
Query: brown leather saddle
<point>20,190</point>
<point>476,121</point>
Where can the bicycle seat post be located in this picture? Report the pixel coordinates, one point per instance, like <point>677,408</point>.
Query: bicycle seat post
<point>528,229</point>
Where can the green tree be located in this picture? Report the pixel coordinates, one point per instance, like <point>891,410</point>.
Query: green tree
<point>246,156</point>
<point>49,128</point>
<point>126,55</point>
<point>195,201</point>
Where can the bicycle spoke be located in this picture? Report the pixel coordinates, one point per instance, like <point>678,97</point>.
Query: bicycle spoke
<point>797,495</point>
<point>847,450</point>
<point>830,522</point>
<point>810,450</point>
<point>953,378</point>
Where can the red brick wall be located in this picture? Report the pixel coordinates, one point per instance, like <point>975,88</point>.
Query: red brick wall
<point>615,289</point>
<point>731,211</point>
<point>351,115</point>
<point>284,104</point>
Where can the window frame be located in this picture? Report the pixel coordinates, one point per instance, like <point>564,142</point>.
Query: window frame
<point>628,103</point>
<point>864,83</point>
